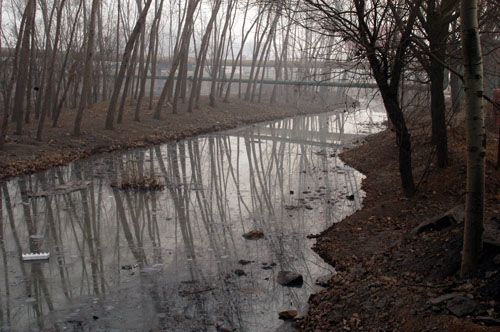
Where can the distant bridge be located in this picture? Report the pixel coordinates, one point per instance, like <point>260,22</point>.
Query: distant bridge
<point>337,83</point>
<point>329,83</point>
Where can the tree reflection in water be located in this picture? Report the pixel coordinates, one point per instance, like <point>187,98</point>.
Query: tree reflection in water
<point>166,259</point>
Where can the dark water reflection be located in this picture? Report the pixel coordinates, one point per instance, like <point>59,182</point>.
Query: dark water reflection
<point>166,260</point>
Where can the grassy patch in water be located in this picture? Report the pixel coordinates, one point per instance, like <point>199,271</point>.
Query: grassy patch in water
<point>134,181</point>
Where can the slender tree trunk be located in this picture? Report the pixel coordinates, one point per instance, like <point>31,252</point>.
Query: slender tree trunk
<point>49,89</point>
<point>102,50</point>
<point>15,65</point>
<point>87,70</point>
<point>438,109</point>
<point>218,55</point>
<point>151,50</point>
<point>58,106</point>
<point>22,74</point>
<point>110,116</point>
<point>200,63</point>
<point>128,79</point>
<point>238,60</point>
<point>457,95</point>
<point>153,68</point>
<point>456,85</point>
<point>476,139</point>
<point>179,53</point>
<point>31,78</point>
<point>259,37</point>
<point>437,28</point>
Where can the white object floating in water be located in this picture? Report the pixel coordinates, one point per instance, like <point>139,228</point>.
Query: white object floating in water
<point>36,257</point>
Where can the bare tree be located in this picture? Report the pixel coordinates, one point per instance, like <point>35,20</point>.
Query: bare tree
<point>380,32</point>
<point>21,73</point>
<point>182,52</point>
<point>476,138</point>
<point>87,70</point>
<point>49,93</point>
<point>200,64</point>
<point>436,23</point>
<point>110,116</point>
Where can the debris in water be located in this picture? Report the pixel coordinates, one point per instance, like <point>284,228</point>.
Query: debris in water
<point>313,236</point>
<point>254,234</point>
<point>240,273</point>
<point>288,314</point>
<point>290,279</point>
<point>36,256</point>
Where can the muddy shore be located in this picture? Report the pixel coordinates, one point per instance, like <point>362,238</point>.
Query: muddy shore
<point>24,154</point>
<point>392,279</point>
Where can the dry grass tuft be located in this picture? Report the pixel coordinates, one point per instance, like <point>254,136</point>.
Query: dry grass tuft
<point>133,181</point>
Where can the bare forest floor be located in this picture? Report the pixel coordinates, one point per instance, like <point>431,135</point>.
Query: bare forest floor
<point>24,154</point>
<point>391,279</point>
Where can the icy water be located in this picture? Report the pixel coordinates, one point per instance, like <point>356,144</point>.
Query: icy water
<point>171,260</point>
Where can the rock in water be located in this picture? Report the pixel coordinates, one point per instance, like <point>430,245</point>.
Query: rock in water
<point>290,279</point>
<point>244,262</point>
<point>240,273</point>
<point>461,306</point>
<point>324,281</point>
<point>254,234</point>
<point>288,314</point>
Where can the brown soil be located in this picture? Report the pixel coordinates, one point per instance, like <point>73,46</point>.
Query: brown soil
<point>24,154</point>
<point>387,275</point>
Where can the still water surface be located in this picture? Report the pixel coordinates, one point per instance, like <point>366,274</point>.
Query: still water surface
<point>166,260</point>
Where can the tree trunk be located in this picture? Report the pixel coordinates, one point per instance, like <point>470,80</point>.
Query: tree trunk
<point>476,139</point>
<point>128,79</point>
<point>456,88</point>
<point>110,116</point>
<point>403,140</point>
<point>437,27</point>
<point>22,74</point>
<point>87,69</point>
<point>151,50</point>
<point>200,63</point>
<point>15,66</point>
<point>218,55</point>
<point>438,108</point>
<point>179,52</point>
<point>49,89</point>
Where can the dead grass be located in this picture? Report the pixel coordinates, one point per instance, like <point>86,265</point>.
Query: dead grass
<point>133,181</point>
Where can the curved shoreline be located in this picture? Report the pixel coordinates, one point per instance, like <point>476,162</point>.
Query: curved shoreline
<point>387,274</point>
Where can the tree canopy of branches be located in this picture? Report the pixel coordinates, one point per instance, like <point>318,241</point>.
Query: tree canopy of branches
<point>380,32</point>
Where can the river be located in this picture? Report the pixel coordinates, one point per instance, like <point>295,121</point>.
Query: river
<point>175,259</point>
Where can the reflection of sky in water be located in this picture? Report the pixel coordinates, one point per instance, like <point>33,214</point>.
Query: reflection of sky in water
<point>166,260</point>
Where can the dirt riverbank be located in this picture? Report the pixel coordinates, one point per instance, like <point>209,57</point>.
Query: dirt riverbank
<point>24,154</point>
<point>392,279</point>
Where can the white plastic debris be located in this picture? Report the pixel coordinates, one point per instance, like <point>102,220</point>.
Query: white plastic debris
<point>36,257</point>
